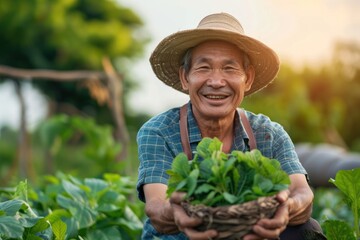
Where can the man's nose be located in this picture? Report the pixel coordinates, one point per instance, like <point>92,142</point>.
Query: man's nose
<point>216,78</point>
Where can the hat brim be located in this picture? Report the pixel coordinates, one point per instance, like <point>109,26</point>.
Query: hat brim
<point>167,56</point>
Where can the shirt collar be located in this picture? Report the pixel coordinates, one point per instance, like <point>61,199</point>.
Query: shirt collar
<point>195,135</point>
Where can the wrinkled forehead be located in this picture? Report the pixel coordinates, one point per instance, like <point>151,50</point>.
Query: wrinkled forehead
<point>218,49</point>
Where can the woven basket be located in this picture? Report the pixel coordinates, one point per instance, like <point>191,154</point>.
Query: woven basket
<point>234,221</point>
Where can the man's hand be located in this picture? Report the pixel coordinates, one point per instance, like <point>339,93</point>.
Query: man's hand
<point>158,208</point>
<point>271,228</point>
<point>169,217</point>
<point>185,223</point>
<point>295,208</point>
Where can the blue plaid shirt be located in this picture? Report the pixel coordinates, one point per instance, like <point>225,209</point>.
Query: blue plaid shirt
<point>159,142</point>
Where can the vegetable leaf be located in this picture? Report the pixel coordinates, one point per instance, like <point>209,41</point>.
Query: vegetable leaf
<point>347,181</point>
<point>338,230</point>
<point>214,178</point>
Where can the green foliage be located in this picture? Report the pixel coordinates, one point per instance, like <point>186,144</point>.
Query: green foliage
<point>70,208</point>
<point>338,230</point>
<point>66,34</point>
<point>347,182</point>
<point>215,178</point>
<point>7,148</point>
<point>316,103</point>
<point>71,35</point>
<point>94,141</point>
<point>329,204</point>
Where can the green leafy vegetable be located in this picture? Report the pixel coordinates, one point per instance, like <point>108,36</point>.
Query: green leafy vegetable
<point>338,230</point>
<point>214,178</point>
<point>347,181</point>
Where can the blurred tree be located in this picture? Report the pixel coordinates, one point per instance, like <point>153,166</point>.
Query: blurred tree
<point>346,75</point>
<point>69,35</point>
<point>318,103</point>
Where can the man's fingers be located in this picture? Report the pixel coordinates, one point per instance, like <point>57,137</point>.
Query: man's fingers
<point>177,197</point>
<point>283,196</point>
<point>195,235</point>
<point>268,233</point>
<point>271,228</point>
<point>281,218</point>
<point>182,220</point>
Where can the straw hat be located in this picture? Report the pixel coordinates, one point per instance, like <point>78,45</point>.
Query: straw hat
<point>167,56</point>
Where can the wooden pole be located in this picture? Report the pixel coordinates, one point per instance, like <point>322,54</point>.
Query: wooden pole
<point>115,89</point>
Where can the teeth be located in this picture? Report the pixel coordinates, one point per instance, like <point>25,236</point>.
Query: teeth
<point>215,97</point>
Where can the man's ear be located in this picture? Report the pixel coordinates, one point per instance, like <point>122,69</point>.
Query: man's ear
<point>250,76</point>
<point>183,79</point>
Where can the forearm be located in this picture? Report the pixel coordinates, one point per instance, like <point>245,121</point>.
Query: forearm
<point>158,209</point>
<point>301,199</point>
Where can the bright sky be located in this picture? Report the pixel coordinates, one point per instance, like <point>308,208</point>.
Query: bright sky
<point>299,31</point>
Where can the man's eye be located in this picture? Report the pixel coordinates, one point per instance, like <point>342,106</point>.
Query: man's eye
<point>202,68</point>
<point>230,69</point>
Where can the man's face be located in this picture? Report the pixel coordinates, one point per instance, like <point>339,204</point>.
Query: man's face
<point>217,79</point>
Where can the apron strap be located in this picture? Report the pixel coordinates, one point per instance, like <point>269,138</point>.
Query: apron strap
<point>184,132</point>
<point>184,135</point>
<point>245,123</point>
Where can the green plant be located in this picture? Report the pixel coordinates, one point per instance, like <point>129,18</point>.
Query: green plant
<point>214,178</point>
<point>347,181</point>
<point>93,142</point>
<point>71,208</point>
<point>329,204</point>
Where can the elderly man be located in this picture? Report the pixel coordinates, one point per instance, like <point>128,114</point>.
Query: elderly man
<point>217,65</point>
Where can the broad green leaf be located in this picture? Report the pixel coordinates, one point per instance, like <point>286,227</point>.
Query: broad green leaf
<point>40,225</point>
<point>192,181</point>
<point>131,220</point>
<point>204,188</point>
<point>180,165</point>
<point>209,197</point>
<point>229,165</point>
<point>57,214</point>
<point>181,184</point>
<point>205,168</point>
<point>348,182</point>
<point>32,236</point>
<point>203,148</point>
<point>97,187</point>
<point>338,230</point>
<point>72,228</point>
<point>59,229</point>
<point>218,200</point>
<point>29,222</point>
<point>215,145</point>
<point>104,234</point>
<point>21,191</point>
<point>82,213</point>
<point>280,187</point>
<point>10,227</point>
<point>74,191</point>
<point>230,198</point>
<point>111,201</point>
<point>262,185</point>
<point>11,207</point>
<point>112,177</point>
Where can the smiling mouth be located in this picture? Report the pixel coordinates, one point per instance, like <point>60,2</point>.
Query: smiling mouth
<point>215,97</point>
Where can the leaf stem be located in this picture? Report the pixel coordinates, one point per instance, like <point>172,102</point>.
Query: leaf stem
<point>356,219</point>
